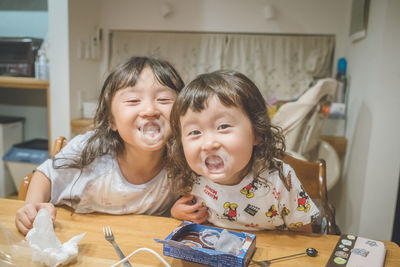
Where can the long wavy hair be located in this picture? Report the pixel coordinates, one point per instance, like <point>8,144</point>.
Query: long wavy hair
<point>232,89</point>
<point>104,140</point>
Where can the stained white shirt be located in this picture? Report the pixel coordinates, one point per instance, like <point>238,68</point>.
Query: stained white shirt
<point>251,205</point>
<point>101,187</point>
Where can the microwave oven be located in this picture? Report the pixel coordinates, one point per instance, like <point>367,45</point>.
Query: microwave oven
<point>17,56</point>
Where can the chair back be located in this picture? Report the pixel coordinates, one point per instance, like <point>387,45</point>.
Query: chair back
<point>59,143</point>
<point>312,176</point>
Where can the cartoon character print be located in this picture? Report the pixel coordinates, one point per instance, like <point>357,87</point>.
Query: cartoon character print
<point>272,212</point>
<point>230,212</point>
<point>196,180</point>
<point>296,225</point>
<point>302,201</point>
<point>249,189</point>
<point>285,211</point>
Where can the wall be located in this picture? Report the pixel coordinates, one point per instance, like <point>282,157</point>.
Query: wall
<point>60,104</point>
<point>84,81</point>
<point>19,19</point>
<point>366,196</point>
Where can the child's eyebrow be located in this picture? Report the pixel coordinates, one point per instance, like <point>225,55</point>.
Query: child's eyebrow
<point>188,123</point>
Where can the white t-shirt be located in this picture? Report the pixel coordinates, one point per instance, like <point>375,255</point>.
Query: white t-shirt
<point>251,205</point>
<point>101,186</point>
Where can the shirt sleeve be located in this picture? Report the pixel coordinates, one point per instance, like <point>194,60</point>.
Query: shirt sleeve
<point>296,206</point>
<point>63,178</point>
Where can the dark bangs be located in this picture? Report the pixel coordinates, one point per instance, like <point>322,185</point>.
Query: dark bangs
<point>198,92</point>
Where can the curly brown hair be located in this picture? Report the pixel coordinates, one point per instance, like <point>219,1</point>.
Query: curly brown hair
<point>104,140</point>
<point>232,89</point>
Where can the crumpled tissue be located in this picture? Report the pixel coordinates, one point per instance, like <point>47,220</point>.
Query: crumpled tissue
<point>46,247</point>
<point>228,243</point>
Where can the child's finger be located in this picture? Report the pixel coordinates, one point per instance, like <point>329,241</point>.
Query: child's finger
<point>188,199</point>
<point>30,212</point>
<point>193,208</point>
<point>50,208</point>
<point>21,227</point>
<point>200,216</point>
<point>22,219</point>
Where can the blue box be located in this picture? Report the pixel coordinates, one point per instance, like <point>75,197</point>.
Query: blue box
<point>34,151</point>
<point>172,247</point>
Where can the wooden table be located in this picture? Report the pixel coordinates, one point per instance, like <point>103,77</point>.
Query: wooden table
<point>136,231</point>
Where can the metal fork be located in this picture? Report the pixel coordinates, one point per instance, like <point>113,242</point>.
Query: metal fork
<point>108,234</point>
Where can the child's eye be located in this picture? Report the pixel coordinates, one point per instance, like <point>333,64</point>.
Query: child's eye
<point>134,101</point>
<point>223,126</point>
<point>164,100</point>
<point>194,133</point>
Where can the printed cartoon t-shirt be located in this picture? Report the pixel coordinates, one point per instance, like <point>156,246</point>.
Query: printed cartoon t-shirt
<point>101,187</point>
<point>252,205</point>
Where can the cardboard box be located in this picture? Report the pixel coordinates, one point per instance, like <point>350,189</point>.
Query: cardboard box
<point>173,247</point>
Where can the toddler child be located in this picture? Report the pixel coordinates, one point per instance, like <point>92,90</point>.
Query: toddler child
<point>118,167</point>
<point>233,165</point>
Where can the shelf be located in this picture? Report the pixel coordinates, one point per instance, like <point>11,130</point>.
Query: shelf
<point>23,83</point>
<point>30,83</point>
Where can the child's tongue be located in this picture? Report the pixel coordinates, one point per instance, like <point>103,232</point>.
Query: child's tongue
<point>214,163</point>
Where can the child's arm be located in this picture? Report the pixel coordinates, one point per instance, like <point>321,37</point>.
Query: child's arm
<point>185,209</point>
<point>37,197</point>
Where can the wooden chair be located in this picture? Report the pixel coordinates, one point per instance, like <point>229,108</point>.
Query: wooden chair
<point>23,188</point>
<point>312,175</point>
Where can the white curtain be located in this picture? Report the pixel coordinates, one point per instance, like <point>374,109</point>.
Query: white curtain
<point>191,54</point>
<point>282,66</point>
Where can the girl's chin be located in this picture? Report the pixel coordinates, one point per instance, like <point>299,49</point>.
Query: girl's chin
<point>153,146</point>
<point>219,178</point>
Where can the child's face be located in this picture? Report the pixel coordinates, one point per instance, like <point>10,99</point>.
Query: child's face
<point>218,141</point>
<point>141,113</point>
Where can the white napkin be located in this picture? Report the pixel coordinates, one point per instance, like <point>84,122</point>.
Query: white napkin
<point>46,247</point>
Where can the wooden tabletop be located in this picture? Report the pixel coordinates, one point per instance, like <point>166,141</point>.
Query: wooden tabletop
<point>136,231</point>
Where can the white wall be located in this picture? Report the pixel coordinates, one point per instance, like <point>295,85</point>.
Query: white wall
<point>59,69</point>
<point>84,80</point>
<point>23,23</point>
<point>366,196</point>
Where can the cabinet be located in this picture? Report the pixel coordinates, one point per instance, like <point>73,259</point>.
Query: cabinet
<point>30,83</point>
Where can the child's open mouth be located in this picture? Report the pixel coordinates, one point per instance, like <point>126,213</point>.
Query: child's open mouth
<point>151,132</point>
<point>151,129</point>
<point>214,163</point>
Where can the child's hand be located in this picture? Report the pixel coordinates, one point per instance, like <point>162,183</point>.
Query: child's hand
<point>27,214</point>
<point>185,209</point>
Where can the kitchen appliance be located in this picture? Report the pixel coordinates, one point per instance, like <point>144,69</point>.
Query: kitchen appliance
<point>17,56</point>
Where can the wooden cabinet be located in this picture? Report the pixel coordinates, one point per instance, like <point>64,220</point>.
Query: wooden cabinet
<point>81,125</point>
